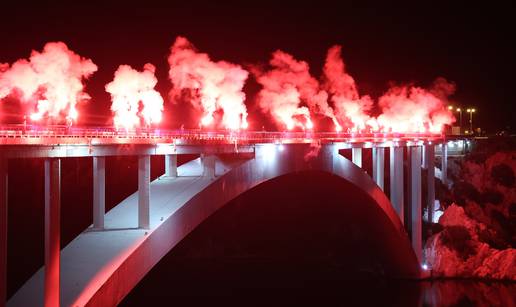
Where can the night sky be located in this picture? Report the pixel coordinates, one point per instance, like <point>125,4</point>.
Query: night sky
<point>469,44</point>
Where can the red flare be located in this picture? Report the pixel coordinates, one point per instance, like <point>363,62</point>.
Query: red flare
<point>211,85</point>
<point>51,79</point>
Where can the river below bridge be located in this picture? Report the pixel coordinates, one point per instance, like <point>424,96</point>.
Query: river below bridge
<point>239,282</point>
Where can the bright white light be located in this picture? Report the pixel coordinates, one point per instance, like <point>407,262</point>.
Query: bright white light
<point>437,215</point>
<point>424,266</point>
<point>269,152</point>
<point>281,147</point>
<point>341,145</point>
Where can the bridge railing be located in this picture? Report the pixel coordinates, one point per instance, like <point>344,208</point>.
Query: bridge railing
<point>62,131</point>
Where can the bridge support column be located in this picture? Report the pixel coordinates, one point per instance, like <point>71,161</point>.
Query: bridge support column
<point>430,179</point>
<point>396,176</point>
<point>208,166</point>
<point>378,166</point>
<point>171,166</point>
<point>444,162</point>
<point>356,156</point>
<point>3,231</point>
<point>144,192</point>
<point>99,192</point>
<point>52,231</point>
<point>415,200</point>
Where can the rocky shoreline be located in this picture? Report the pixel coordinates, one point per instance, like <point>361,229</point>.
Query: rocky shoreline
<point>475,236</point>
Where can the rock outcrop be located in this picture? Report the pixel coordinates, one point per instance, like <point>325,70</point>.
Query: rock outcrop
<point>458,250</point>
<point>477,236</point>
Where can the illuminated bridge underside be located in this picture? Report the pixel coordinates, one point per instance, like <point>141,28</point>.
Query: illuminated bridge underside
<point>99,268</point>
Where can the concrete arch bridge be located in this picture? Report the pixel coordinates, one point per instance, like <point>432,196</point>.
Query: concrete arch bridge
<point>103,263</point>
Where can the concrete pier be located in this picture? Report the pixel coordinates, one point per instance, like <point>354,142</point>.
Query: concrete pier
<point>3,230</point>
<point>430,167</point>
<point>415,200</point>
<point>356,156</point>
<point>379,166</point>
<point>444,163</point>
<point>171,166</point>
<point>208,166</point>
<point>52,231</point>
<point>144,192</point>
<point>99,191</point>
<point>396,176</point>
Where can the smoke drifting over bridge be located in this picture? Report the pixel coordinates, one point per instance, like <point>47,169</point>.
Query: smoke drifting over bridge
<point>50,84</point>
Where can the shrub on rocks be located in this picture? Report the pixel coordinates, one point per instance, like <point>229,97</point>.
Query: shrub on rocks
<point>503,174</point>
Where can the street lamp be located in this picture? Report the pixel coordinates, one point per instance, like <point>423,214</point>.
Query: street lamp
<point>471,111</point>
<point>460,119</point>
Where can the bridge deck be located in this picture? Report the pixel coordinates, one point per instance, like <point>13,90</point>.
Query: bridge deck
<point>94,255</point>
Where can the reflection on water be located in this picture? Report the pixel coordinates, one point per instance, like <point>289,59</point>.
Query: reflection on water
<point>231,282</point>
<point>468,293</point>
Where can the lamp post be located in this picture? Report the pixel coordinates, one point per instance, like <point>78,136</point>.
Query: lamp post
<point>471,111</point>
<point>460,119</point>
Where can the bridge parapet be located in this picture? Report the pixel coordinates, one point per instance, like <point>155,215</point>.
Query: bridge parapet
<point>51,135</point>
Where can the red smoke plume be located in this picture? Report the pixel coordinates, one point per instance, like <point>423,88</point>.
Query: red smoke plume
<point>286,87</point>
<point>130,88</point>
<point>51,79</point>
<point>350,108</point>
<point>414,109</point>
<point>212,86</point>
<point>51,82</point>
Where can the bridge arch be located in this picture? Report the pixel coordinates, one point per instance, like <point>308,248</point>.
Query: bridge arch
<point>270,161</point>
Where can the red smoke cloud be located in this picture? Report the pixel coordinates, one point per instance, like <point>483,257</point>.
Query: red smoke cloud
<point>51,82</point>
<point>350,108</point>
<point>414,109</point>
<point>286,87</point>
<point>128,90</point>
<point>211,86</point>
<point>51,79</point>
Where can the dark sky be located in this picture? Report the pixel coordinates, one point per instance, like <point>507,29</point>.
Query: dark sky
<point>470,44</point>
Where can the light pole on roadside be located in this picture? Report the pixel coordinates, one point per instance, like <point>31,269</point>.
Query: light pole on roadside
<point>471,111</point>
<point>460,119</point>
